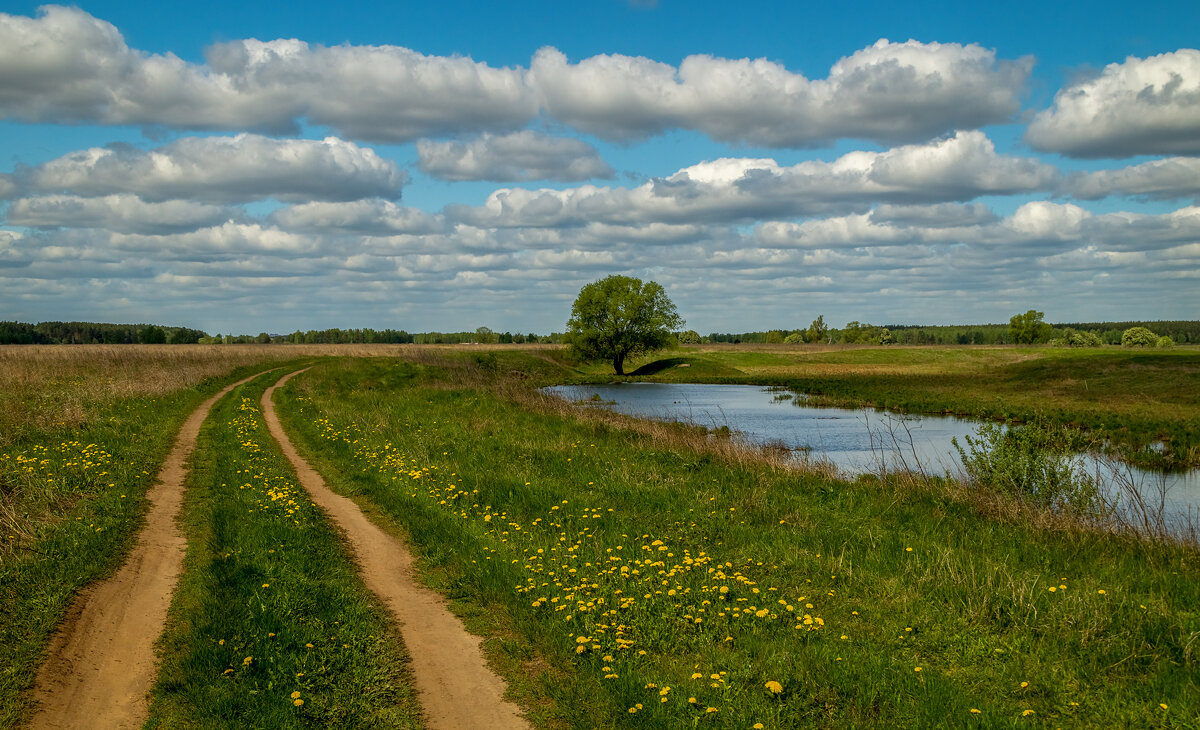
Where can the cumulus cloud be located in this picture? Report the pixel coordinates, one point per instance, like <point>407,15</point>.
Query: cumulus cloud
<point>226,169</point>
<point>370,217</point>
<point>517,157</point>
<point>8,187</point>
<point>66,65</point>
<point>120,213</point>
<point>957,168</point>
<point>1169,179</point>
<point>1139,107</point>
<point>889,92</point>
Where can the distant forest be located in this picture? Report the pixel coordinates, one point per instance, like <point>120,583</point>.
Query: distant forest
<point>58,333</point>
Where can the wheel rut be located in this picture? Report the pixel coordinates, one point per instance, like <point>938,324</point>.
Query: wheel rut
<point>101,662</point>
<point>456,687</point>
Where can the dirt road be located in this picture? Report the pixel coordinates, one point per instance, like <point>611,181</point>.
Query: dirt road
<point>457,689</point>
<point>102,660</point>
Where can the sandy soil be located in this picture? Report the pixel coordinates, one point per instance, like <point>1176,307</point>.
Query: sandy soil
<point>101,661</point>
<point>456,688</point>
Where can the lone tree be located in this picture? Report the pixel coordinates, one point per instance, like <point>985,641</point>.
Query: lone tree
<point>1029,328</point>
<point>619,317</point>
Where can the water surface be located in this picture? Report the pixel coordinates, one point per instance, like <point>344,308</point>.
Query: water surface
<point>856,441</point>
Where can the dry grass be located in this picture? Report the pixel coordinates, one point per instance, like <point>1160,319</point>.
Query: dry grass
<point>46,386</point>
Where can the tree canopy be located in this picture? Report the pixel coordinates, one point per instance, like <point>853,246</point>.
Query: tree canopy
<point>1029,328</point>
<point>620,317</point>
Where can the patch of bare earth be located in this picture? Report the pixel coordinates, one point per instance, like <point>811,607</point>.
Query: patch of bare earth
<point>456,687</point>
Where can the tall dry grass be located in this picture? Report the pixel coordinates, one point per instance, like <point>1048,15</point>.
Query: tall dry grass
<point>47,386</point>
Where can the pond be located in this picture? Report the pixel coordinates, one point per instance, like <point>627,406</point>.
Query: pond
<point>856,441</point>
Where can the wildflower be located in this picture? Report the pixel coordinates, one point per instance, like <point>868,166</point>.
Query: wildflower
<point>759,725</point>
<point>1027,713</point>
<point>1101,591</point>
<point>774,687</point>
<point>1024,685</point>
<point>916,669</point>
<point>296,695</point>
<point>247,660</point>
<point>297,702</point>
<point>1162,705</point>
<point>975,711</point>
<point>711,709</point>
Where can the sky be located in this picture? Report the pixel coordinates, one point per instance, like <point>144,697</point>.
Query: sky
<point>240,167</point>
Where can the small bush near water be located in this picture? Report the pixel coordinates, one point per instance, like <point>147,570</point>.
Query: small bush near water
<point>1032,462</point>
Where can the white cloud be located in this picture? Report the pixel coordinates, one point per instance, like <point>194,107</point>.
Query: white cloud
<point>517,157</point>
<point>68,66</point>
<point>1169,179</point>
<point>373,217</point>
<point>1139,107</point>
<point>379,93</point>
<point>226,169</point>
<point>8,187</point>
<point>119,213</point>
<point>890,92</point>
<point>958,168</point>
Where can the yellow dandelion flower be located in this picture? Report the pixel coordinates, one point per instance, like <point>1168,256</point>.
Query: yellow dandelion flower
<point>296,694</point>
<point>975,711</point>
<point>1162,705</point>
<point>916,669</point>
<point>297,702</point>
<point>774,687</point>
<point>1027,713</point>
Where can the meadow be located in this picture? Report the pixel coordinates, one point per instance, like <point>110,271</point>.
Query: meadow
<point>623,573</point>
<point>638,575</point>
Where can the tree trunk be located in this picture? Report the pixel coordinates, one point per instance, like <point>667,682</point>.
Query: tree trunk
<point>619,364</point>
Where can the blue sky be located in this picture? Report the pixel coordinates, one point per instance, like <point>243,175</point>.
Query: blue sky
<point>449,165</point>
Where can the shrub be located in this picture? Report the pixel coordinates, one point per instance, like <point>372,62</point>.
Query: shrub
<point>1165,341</point>
<point>1138,337</point>
<point>1034,463</point>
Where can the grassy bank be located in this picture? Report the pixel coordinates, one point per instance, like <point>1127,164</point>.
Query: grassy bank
<point>270,626</point>
<point>635,579</point>
<point>1147,403</point>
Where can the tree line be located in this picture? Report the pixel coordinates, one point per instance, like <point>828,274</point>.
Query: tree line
<point>1107,333</point>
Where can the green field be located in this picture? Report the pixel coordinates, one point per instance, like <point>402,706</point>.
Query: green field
<point>623,574</point>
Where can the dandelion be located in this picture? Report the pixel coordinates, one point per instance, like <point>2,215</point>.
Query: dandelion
<point>774,687</point>
<point>296,695</point>
<point>1024,685</point>
<point>247,660</point>
<point>1162,705</point>
<point>975,711</point>
<point>297,702</point>
<point>1101,591</point>
<point>916,669</point>
<point>1027,713</point>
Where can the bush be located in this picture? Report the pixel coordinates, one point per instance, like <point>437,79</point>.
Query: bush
<point>1074,338</point>
<point>1138,337</point>
<point>1034,463</point>
<point>1165,341</point>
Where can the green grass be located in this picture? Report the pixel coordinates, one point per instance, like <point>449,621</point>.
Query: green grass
<point>72,498</point>
<point>270,626</point>
<point>613,564</point>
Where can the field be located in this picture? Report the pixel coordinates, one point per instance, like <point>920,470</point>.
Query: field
<point>623,574</point>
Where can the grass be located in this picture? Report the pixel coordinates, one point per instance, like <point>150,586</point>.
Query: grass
<point>270,626</point>
<point>638,576</point>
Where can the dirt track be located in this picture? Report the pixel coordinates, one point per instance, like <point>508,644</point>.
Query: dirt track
<point>457,689</point>
<point>101,661</point>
